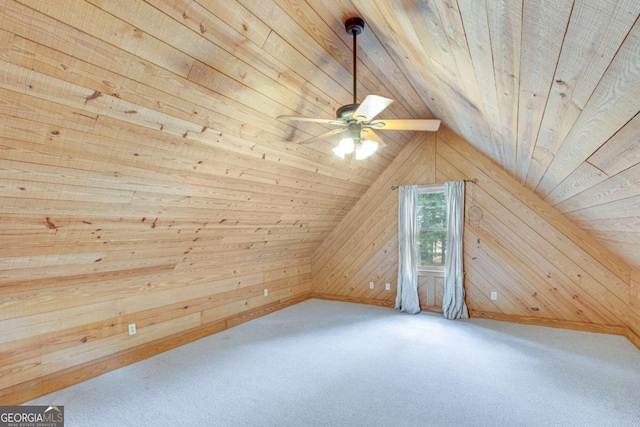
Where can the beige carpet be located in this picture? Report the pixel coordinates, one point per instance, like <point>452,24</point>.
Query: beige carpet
<point>323,363</point>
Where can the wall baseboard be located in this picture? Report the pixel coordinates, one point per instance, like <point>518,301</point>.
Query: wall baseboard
<point>561,324</point>
<point>527,320</point>
<point>370,301</point>
<point>633,337</point>
<point>33,389</point>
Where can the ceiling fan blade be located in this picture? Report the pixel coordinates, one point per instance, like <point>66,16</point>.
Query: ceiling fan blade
<point>324,135</point>
<point>306,119</point>
<point>409,124</point>
<point>371,107</point>
<point>372,136</point>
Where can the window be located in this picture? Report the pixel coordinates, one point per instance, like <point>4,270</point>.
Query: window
<point>432,227</point>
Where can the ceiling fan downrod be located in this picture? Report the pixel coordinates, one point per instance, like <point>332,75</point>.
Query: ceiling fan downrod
<point>358,119</point>
<point>354,26</point>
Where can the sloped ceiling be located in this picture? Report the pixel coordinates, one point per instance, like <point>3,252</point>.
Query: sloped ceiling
<point>173,104</point>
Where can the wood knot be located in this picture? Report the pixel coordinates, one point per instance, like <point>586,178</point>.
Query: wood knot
<point>93,96</point>
<point>50,224</point>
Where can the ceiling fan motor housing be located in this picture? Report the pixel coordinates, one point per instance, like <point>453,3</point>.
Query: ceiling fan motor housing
<point>346,112</point>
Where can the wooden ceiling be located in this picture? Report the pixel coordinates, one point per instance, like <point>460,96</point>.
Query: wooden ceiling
<point>146,115</point>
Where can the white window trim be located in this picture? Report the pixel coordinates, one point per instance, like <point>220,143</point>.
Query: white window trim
<point>426,271</point>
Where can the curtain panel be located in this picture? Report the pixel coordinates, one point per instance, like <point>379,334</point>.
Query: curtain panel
<point>453,304</point>
<point>407,297</point>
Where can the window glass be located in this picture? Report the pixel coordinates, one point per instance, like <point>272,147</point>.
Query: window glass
<point>432,229</point>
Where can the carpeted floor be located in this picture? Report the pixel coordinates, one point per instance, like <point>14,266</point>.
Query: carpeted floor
<point>323,363</point>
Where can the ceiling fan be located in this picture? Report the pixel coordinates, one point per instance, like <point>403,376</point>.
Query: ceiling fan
<point>358,119</point>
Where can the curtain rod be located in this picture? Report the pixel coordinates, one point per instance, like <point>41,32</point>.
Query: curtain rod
<point>474,180</point>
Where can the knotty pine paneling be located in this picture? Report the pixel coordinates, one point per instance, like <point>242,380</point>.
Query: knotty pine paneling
<point>548,20</point>
<point>144,175</point>
<point>362,248</point>
<point>547,88</point>
<point>542,266</point>
<point>559,271</point>
<point>594,34</point>
<point>613,103</point>
<point>28,390</point>
<point>139,183</point>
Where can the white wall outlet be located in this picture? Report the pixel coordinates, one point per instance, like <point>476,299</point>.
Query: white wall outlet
<point>387,286</point>
<point>132,329</point>
<point>371,285</point>
<point>266,292</point>
<point>494,295</point>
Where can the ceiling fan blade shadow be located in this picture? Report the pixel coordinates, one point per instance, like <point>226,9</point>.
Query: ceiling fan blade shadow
<point>372,136</point>
<point>408,124</point>
<point>324,135</point>
<point>371,107</point>
<point>306,119</point>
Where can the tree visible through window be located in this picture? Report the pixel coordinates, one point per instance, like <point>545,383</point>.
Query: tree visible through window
<point>432,227</point>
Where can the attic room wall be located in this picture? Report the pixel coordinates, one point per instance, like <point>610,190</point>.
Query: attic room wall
<point>144,181</point>
<point>363,247</point>
<point>544,268</point>
<point>105,223</point>
<point>83,254</point>
<point>72,282</point>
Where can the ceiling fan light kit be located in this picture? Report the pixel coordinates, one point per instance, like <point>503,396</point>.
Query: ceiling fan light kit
<point>344,147</point>
<point>363,149</point>
<point>357,119</point>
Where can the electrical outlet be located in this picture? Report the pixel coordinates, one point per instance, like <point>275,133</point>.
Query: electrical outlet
<point>494,295</point>
<point>132,329</point>
<point>371,285</point>
<point>266,292</point>
<point>387,286</point>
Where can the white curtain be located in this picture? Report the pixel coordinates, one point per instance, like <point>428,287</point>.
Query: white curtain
<point>407,296</point>
<point>453,304</point>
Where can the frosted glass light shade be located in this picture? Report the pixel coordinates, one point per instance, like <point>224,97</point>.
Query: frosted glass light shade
<point>346,146</point>
<point>365,149</point>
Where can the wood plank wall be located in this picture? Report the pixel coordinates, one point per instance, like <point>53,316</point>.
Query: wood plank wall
<point>126,198</point>
<point>545,269</point>
<point>77,323</point>
<point>363,247</point>
<point>144,178</point>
